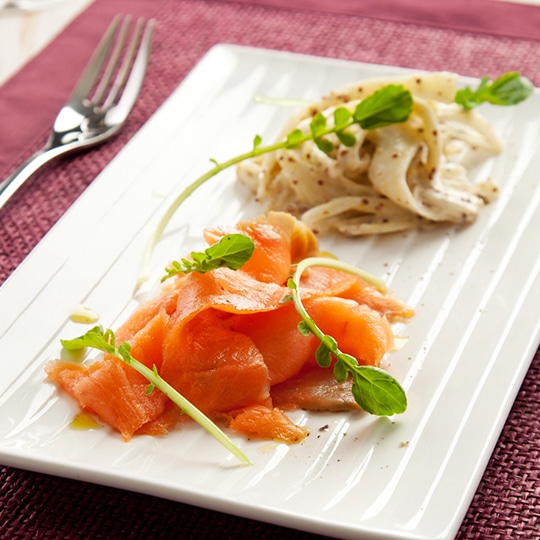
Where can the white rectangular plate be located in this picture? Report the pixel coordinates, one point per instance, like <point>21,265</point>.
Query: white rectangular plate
<point>476,291</point>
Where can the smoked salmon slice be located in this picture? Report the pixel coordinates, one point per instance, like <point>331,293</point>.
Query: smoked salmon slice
<point>268,423</point>
<point>110,391</point>
<point>314,390</point>
<point>229,342</point>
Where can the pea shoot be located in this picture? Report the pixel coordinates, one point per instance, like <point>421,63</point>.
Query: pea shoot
<point>509,89</point>
<point>104,341</point>
<point>374,389</point>
<point>389,105</point>
<point>232,251</point>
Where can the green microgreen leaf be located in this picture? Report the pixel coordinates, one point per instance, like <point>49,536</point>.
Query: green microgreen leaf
<point>323,354</point>
<point>378,391</point>
<point>509,89</point>
<point>294,138</point>
<point>103,340</point>
<point>232,251</point>
<point>318,125</point>
<point>303,328</point>
<point>342,118</point>
<point>151,386</point>
<point>324,145</point>
<point>392,104</point>
<point>291,284</point>
<point>346,138</point>
<point>341,373</point>
<point>94,338</point>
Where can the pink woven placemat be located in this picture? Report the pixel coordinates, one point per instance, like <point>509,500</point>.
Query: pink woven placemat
<point>479,16</point>
<point>507,504</point>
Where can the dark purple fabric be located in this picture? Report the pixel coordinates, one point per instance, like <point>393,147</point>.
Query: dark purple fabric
<point>34,505</point>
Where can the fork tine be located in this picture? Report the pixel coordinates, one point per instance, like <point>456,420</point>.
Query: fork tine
<point>136,75</point>
<point>125,68</point>
<point>93,68</point>
<point>114,57</point>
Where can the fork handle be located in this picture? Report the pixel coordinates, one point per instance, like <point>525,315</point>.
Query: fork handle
<point>13,182</point>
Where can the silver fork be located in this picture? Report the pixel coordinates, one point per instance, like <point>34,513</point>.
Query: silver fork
<point>101,101</point>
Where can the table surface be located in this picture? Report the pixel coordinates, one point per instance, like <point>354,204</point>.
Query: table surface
<point>496,512</point>
<point>24,33</point>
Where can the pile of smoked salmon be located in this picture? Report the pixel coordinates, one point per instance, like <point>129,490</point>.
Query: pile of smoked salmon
<point>226,341</point>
